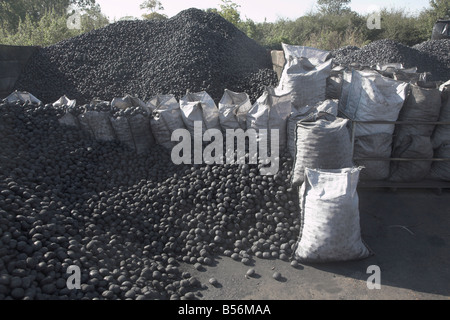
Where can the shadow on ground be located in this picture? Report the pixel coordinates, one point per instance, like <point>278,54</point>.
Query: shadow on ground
<point>408,232</point>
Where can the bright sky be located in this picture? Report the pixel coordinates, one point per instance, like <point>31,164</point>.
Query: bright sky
<point>257,10</point>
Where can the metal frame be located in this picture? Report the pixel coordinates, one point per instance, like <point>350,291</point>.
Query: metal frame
<point>425,184</point>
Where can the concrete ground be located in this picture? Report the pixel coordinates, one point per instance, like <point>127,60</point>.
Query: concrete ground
<point>408,232</point>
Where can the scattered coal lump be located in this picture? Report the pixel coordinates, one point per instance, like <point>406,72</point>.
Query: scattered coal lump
<point>128,221</point>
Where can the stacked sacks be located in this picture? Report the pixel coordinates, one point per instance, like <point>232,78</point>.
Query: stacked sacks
<point>388,51</point>
<point>305,75</point>
<point>321,145</point>
<point>338,85</point>
<point>335,82</point>
<point>322,142</point>
<point>441,139</point>
<point>328,106</point>
<point>414,141</point>
<point>442,132</point>
<point>140,125</point>
<point>373,97</point>
<point>125,120</point>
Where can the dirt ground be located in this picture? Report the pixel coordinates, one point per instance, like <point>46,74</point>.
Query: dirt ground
<point>408,232</point>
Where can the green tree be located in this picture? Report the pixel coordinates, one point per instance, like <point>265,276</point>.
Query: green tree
<point>14,11</point>
<point>399,25</point>
<point>440,8</point>
<point>51,27</point>
<point>93,18</point>
<point>229,10</point>
<point>153,6</point>
<point>333,6</point>
<point>154,16</point>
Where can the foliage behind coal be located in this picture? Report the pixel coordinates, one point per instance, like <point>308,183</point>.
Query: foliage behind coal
<point>194,50</point>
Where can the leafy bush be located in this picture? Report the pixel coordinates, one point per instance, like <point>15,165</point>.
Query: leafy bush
<point>50,29</point>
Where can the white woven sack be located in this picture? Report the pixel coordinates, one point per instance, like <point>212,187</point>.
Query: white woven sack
<point>298,114</point>
<point>375,146</point>
<point>127,102</point>
<point>346,82</point>
<point>68,119</point>
<point>233,109</point>
<point>411,147</point>
<point>199,107</point>
<point>315,55</point>
<point>139,124</point>
<point>99,125</point>
<point>65,102</point>
<point>330,223</point>
<point>165,118</point>
<point>22,97</point>
<point>423,104</point>
<point>322,141</point>
<point>271,112</point>
<point>441,169</point>
<point>123,131</point>
<point>441,134</point>
<point>373,97</point>
<point>306,81</point>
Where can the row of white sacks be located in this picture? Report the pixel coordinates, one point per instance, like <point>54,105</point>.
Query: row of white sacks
<point>315,136</point>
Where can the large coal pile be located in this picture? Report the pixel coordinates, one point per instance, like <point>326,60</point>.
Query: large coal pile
<point>440,49</point>
<point>130,222</point>
<point>194,51</point>
<point>389,51</point>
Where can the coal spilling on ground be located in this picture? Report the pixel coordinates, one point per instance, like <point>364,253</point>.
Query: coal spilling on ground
<point>128,221</point>
<point>195,51</point>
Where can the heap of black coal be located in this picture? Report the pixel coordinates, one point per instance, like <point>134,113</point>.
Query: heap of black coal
<point>426,57</point>
<point>195,51</point>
